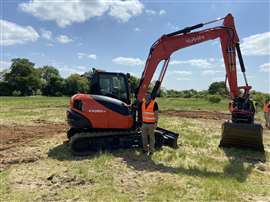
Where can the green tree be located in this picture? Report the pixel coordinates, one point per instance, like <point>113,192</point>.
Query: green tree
<point>5,89</point>
<point>259,97</point>
<point>23,77</point>
<point>52,83</point>
<point>55,86</point>
<point>3,74</point>
<point>88,74</point>
<point>134,83</point>
<point>218,88</point>
<point>76,83</point>
<point>214,98</point>
<point>48,72</point>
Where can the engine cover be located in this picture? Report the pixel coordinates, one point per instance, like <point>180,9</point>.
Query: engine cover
<point>101,112</point>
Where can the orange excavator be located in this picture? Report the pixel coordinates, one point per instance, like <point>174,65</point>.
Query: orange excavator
<point>107,118</point>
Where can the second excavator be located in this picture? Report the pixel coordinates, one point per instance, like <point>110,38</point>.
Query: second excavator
<point>104,117</point>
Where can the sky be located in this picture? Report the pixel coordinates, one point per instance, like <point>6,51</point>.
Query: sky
<point>78,35</point>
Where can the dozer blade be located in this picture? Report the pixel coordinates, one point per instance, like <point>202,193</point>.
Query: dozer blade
<point>242,135</point>
<point>166,138</point>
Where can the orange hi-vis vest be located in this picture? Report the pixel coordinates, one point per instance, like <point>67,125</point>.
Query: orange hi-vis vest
<point>266,108</point>
<point>148,114</point>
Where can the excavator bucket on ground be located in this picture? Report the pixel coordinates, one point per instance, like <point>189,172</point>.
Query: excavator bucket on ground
<point>242,135</point>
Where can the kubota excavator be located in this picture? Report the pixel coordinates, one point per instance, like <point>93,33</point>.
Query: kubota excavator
<point>103,118</point>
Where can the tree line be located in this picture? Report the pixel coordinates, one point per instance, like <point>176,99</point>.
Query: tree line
<point>23,79</point>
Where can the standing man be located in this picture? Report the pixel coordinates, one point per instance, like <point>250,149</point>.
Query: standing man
<point>149,123</point>
<point>266,110</point>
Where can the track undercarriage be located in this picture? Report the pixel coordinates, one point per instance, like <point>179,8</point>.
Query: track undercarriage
<point>83,142</point>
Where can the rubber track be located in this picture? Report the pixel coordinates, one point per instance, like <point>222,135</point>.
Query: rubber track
<point>86,142</point>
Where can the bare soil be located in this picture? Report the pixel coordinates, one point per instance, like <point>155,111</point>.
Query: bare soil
<point>19,143</point>
<point>15,135</point>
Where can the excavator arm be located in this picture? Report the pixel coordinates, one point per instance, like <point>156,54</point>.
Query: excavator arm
<point>165,46</point>
<point>240,131</point>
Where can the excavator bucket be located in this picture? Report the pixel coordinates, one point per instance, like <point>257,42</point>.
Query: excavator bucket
<point>242,135</point>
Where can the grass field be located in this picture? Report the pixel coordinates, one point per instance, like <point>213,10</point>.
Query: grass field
<point>43,169</point>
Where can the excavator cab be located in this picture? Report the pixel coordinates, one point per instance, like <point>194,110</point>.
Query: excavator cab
<point>111,84</point>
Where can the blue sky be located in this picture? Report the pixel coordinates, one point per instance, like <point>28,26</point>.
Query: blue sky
<point>75,36</point>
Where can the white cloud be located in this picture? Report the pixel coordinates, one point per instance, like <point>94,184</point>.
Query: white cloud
<point>80,67</point>
<point>63,39</point>
<point>137,29</point>
<point>38,54</point>
<point>46,34</point>
<point>65,70</point>
<point>210,72</point>
<point>92,56</point>
<point>128,61</point>
<point>85,55</point>
<point>162,12</point>
<point>67,12</point>
<point>172,26</point>
<point>124,10</point>
<point>81,55</point>
<point>183,73</point>
<point>218,78</point>
<point>150,12</point>
<point>206,63</point>
<point>12,33</point>
<point>258,44</point>
<point>183,79</point>
<point>265,67</point>
<point>4,65</point>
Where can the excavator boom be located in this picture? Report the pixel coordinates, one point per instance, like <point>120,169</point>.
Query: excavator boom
<point>165,46</point>
<point>245,134</point>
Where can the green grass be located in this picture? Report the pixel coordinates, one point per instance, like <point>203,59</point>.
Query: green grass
<point>191,104</point>
<point>53,109</point>
<point>27,110</point>
<point>197,171</point>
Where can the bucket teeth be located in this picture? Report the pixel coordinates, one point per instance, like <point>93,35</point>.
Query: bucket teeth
<point>242,136</point>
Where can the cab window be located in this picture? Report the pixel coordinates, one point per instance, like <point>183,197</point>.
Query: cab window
<point>114,86</point>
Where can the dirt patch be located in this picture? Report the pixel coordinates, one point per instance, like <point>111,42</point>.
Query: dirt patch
<point>15,135</point>
<point>23,144</point>
<point>214,115</point>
